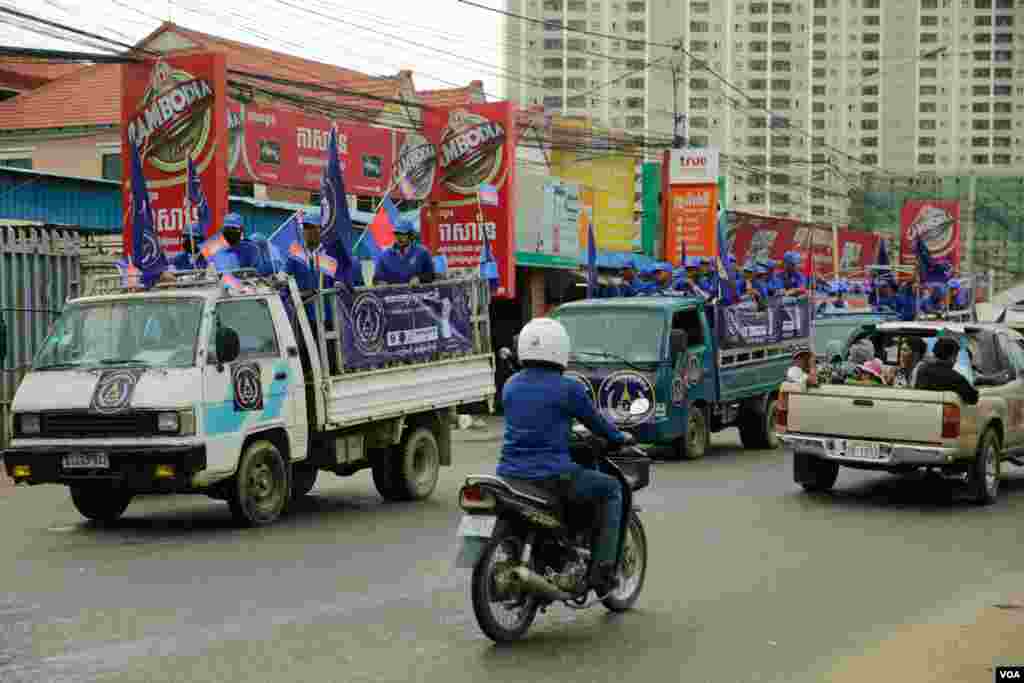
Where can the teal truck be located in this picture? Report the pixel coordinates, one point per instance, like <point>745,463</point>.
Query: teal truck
<point>703,368</point>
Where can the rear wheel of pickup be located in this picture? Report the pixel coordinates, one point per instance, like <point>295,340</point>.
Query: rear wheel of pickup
<point>100,503</point>
<point>813,473</point>
<point>694,444</point>
<point>259,491</point>
<point>410,470</point>
<point>983,472</point>
<point>757,429</point>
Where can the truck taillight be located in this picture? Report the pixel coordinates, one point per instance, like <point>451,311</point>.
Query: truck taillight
<point>475,498</point>
<point>950,421</point>
<point>782,412</point>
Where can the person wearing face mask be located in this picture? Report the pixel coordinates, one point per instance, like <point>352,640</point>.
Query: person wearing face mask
<point>240,253</point>
<point>404,262</point>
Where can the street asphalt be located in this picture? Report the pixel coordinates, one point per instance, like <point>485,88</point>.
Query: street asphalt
<point>750,580</point>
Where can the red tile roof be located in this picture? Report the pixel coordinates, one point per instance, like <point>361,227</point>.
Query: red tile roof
<point>453,97</point>
<point>92,95</point>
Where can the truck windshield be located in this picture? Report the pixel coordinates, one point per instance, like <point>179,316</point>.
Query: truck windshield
<point>140,332</point>
<point>635,336</point>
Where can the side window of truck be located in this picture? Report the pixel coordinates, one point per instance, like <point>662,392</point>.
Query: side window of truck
<point>250,318</point>
<point>1013,352</point>
<point>690,322</point>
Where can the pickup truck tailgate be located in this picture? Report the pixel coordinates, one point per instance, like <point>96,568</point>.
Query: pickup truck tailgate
<point>876,413</point>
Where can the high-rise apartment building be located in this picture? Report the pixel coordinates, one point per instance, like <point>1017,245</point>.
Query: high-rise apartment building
<point>908,87</point>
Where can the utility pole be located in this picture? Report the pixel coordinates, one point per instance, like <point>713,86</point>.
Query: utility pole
<point>678,138</point>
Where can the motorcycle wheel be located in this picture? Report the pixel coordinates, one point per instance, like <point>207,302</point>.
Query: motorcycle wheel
<point>503,615</point>
<point>632,570</point>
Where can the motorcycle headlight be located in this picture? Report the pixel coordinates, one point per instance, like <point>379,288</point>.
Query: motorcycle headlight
<point>29,423</point>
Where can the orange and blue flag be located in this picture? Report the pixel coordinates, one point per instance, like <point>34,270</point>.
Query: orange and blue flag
<point>213,246</point>
<point>287,239</point>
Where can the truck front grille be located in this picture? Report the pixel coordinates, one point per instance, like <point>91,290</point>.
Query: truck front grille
<point>81,424</point>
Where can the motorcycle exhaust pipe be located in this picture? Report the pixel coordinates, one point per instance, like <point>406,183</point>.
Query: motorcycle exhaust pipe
<point>533,582</point>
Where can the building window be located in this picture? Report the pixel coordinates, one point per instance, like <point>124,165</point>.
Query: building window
<point>112,166</point>
<point>577,5</point>
<point>980,124</point>
<point>781,46</point>
<point>929,73</point>
<point>576,25</point>
<point>929,4</point>
<point>982,38</point>
<point>1001,90</point>
<point>982,4</point>
<point>1001,159</point>
<point>782,27</point>
<point>700,7</point>
<point>552,43</point>
<point>984,72</point>
<point>757,141</point>
<point>1001,124</point>
<point>577,101</point>
<point>552,83</point>
<point>818,90</point>
<point>635,83</point>
<point>980,90</point>
<point>872,20</point>
<point>980,142</point>
<point>929,20</point>
<point>818,108</point>
<point>926,124</point>
<point>871,38</point>
<point>926,159</point>
<point>637,7</point>
<point>1003,74</point>
<point>927,107</point>
<point>869,91</point>
<point>25,163</point>
<point>576,83</point>
<point>1000,142</point>
<point>699,83</point>
<point>781,103</point>
<point>781,66</point>
<point>979,158</point>
<point>871,159</point>
<point>758,65</point>
<point>699,27</point>
<point>869,124</point>
<point>634,122</point>
<point>927,38</point>
<point>982,56</point>
<point>634,103</point>
<point>634,46</point>
<point>780,84</point>
<point>552,62</point>
<point>635,26</point>
<point>554,102</point>
<point>698,103</point>
<point>553,5</point>
<point>759,8</point>
<point>699,45</point>
<point>819,55</point>
<point>926,142</point>
<point>1002,107</point>
<point>577,63</point>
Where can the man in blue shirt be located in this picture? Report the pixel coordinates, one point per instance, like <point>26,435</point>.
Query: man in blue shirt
<point>887,297</point>
<point>540,404</point>
<point>958,297</point>
<point>646,284</point>
<point>241,253</point>
<point>762,281</point>
<point>934,302</point>
<point>190,258</point>
<point>793,282</point>
<point>404,262</point>
<point>705,278</point>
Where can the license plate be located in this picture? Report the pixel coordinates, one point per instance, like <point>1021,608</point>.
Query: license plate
<point>86,461</point>
<point>481,526</point>
<point>863,450</point>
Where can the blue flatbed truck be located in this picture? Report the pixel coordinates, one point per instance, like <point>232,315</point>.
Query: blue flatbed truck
<point>671,350</point>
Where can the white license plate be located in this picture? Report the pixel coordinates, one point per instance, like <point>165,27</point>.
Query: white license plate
<point>86,461</point>
<point>481,526</point>
<point>862,450</point>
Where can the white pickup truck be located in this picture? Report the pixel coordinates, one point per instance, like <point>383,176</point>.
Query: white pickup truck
<point>899,430</point>
<point>194,387</point>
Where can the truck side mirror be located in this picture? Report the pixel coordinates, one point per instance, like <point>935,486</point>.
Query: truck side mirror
<point>677,342</point>
<point>228,345</point>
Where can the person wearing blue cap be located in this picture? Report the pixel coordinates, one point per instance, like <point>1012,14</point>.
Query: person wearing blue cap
<point>935,301</point>
<point>958,296</point>
<point>705,278</point>
<point>647,284</point>
<point>404,262</point>
<point>190,258</point>
<point>793,281</point>
<point>241,253</point>
<point>762,281</point>
<point>627,287</point>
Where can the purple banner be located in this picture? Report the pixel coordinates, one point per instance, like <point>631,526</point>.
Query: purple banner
<point>781,319</point>
<point>393,324</point>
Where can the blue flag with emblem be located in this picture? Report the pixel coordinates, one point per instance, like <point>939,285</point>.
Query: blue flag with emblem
<point>196,198</point>
<point>725,273</point>
<point>335,221</point>
<point>488,266</point>
<point>147,255</point>
<point>591,261</point>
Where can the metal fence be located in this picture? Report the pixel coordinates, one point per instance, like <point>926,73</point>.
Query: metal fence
<point>39,269</point>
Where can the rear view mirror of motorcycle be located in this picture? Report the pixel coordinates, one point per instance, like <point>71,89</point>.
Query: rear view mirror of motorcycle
<point>639,406</point>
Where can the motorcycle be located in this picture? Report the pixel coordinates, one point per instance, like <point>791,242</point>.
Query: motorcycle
<point>530,547</point>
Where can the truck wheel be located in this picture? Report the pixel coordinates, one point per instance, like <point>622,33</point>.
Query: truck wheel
<point>303,479</point>
<point>694,444</point>
<point>382,462</point>
<point>100,503</point>
<point>983,472</point>
<point>757,431</point>
<point>419,464</point>
<point>259,491</point>
<point>814,473</point>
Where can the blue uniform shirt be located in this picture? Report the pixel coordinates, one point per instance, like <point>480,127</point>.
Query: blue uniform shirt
<point>395,268</point>
<point>186,261</point>
<point>793,280</point>
<point>539,406</point>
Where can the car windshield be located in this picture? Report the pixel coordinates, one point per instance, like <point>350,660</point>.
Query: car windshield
<point>144,332</point>
<point>608,335</point>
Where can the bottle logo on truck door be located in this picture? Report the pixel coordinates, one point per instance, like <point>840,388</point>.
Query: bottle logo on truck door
<point>248,386</point>
<point>114,391</point>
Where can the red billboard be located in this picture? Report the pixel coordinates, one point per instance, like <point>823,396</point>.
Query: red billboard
<point>173,108</point>
<point>762,237</point>
<point>282,147</point>
<point>937,222</point>
<point>474,144</point>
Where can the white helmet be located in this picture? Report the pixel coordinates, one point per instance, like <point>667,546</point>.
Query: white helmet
<point>544,339</point>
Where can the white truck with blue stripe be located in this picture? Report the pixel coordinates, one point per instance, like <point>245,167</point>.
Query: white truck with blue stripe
<point>196,387</point>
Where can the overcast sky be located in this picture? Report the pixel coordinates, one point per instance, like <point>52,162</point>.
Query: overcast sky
<point>443,42</point>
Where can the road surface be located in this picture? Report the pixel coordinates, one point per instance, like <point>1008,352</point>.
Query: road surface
<point>750,580</point>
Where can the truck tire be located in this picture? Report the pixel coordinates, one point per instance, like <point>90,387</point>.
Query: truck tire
<point>303,479</point>
<point>757,430</point>
<point>694,444</point>
<point>382,462</point>
<point>983,472</point>
<point>419,464</point>
<point>813,473</point>
<point>260,490</point>
<point>100,503</point>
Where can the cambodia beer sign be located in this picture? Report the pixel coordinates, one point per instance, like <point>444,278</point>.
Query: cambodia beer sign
<point>474,145</point>
<point>174,108</point>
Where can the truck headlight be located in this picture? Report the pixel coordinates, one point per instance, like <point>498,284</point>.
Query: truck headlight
<point>181,422</point>
<point>29,423</point>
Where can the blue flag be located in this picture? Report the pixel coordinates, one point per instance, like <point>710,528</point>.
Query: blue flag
<point>196,198</point>
<point>930,269</point>
<point>286,243</point>
<point>335,221</point>
<point>883,254</point>
<point>147,255</point>
<point>488,266</point>
<point>591,261</point>
<point>725,273</point>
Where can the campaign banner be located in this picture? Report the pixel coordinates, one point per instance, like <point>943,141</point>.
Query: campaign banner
<point>274,145</point>
<point>475,144</point>
<point>691,220</point>
<point>174,108</point>
<point>745,324</point>
<point>755,237</point>
<point>937,222</point>
<point>549,215</point>
<point>404,323</point>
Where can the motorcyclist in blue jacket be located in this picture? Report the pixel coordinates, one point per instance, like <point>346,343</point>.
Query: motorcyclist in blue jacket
<point>540,404</point>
